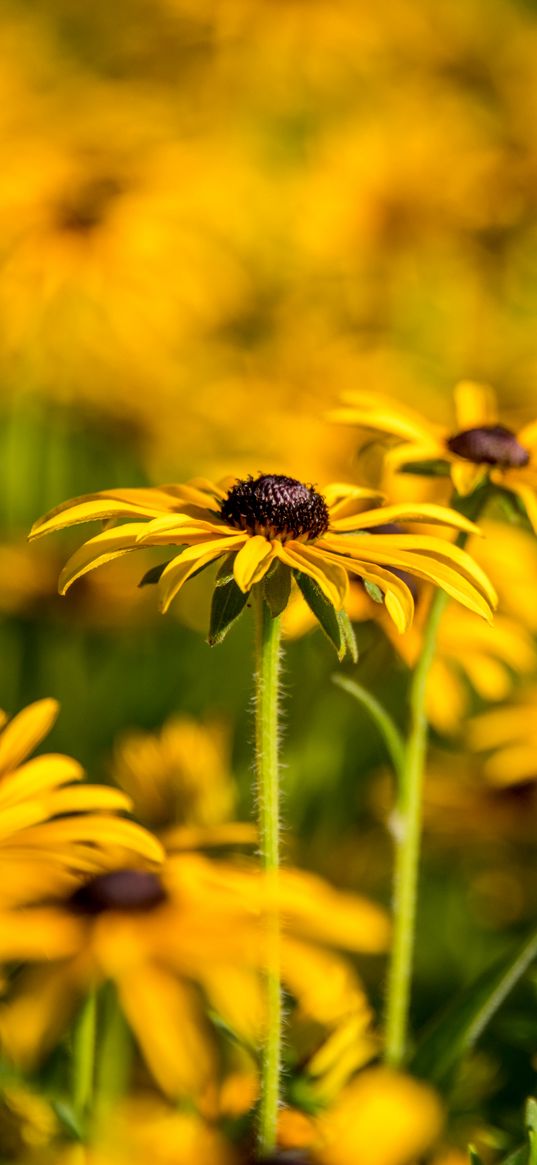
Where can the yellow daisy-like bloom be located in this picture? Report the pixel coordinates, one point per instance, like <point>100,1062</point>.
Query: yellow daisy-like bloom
<point>162,937</point>
<point>475,449</point>
<point>272,521</point>
<point>53,829</point>
<point>179,776</point>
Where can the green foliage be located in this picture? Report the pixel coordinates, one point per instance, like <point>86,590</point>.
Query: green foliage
<point>277,588</point>
<point>456,1030</point>
<point>324,612</point>
<point>228,603</point>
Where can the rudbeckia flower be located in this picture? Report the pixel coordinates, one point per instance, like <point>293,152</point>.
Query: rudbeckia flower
<point>271,529</point>
<point>160,938</point>
<point>53,829</point>
<point>475,448</point>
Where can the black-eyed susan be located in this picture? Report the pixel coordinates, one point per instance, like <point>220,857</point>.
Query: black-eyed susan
<point>275,525</point>
<point>476,448</point>
<point>53,828</point>
<point>179,776</point>
<point>161,937</point>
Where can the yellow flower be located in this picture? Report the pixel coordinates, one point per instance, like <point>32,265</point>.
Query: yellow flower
<point>381,1118</point>
<point>178,776</point>
<point>160,938</point>
<point>475,449</point>
<point>274,521</point>
<point>52,828</point>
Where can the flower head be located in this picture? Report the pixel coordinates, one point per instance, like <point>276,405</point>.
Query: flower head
<point>274,529</point>
<point>194,930</point>
<point>475,448</point>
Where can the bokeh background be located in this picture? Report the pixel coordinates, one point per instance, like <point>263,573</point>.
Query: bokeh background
<point>215,217</point>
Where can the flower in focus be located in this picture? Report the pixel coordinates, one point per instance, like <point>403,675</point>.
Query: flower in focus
<point>53,829</point>
<point>477,448</point>
<point>162,938</point>
<point>273,528</point>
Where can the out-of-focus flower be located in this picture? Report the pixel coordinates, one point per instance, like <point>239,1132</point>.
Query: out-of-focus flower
<point>178,776</point>
<point>275,520</point>
<point>467,659</point>
<point>381,1118</point>
<point>160,938</point>
<point>509,736</point>
<point>53,829</point>
<point>476,449</point>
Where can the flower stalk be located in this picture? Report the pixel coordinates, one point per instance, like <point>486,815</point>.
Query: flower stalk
<point>407,824</point>
<point>267,693</point>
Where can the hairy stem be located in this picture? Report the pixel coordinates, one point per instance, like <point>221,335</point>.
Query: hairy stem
<point>267,674</point>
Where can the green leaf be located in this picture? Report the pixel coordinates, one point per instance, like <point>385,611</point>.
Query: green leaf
<point>373,591</point>
<point>277,588</point>
<point>66,1114</point>
<point>519,1157</point>
<point>473,1154</point>
<point>225,571</point>
<point>152,576</point>
<point>388,730</point>
<point>228,603</point>
<point>347,632</point>
<point>324,612</point>
<point>436,467</point>
<point>456,1030</point>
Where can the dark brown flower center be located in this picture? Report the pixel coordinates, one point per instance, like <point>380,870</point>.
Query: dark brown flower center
<point>276,506</point>
<point>128,890</point>
<point>490,445</point>
<point>81,210</point>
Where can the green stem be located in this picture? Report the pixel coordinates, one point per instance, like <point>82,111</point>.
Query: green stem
<point>388,730</point>
<point>267,673</point>
<point>84,1042</point>
<point>408,820</point>
<point>407,834</point>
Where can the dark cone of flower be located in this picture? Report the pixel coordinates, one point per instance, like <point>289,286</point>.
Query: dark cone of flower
<point>128,890</point>
<point>285,1157</point>
<point>490,445</point>
<point>276,506</point>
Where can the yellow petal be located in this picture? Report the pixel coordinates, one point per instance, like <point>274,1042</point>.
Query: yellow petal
<point>31,1025</point>
<point>120,503</point>
<point>98,551</point>
<point>406,512</point>
<point>101,831</point>
<point>329,575</point>
<point>179,570</point>
<point>165,1018</point>
<point>37,776</point>
<point>381,1118</point>
<point>466,476</point>
<point>528,436</point>
<point>475,405</point>
<point>25,731</point>
<point>313,909</point>
<point>381,413</point>
<point>527,495</point>
<point>176,528</point>
<point>252,561</point>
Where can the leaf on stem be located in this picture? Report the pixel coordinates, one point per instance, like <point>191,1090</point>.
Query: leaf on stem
<point>458,1027</point>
